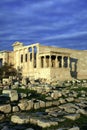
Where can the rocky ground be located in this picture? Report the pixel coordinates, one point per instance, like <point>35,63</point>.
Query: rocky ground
<point>42,106</point>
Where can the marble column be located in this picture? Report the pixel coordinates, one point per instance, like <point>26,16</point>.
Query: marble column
<point>68,64</point>
<point>39,62</point>
<point>50,64</point>
<point>33,57</point>
<point>56,62</point>
<point>19,57</point>
<point>23,56</point>
<point>62,61</point>
<point>36,60</point>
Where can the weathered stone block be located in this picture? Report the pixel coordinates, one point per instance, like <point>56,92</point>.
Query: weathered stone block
<point>2,116</point>
<point>70,99</point>
<point>73,116</point>
<point>12,94</point>
<point>62,101</point>
<point>46,123</point>
<point>23,104</point>
<point>74,128</point>
<point>30,105</point>
<point>36,105</point>
<point>42,104</point>
<point>20,119</point>
<point>33,120</point>
<point>48,103</point>
<point>5,108</point>
<point>15,109</point>
<point>56,94</point>
<point>56,103</point>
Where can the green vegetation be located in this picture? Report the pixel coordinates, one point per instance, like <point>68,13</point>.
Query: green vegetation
<point>0,91</point>
<point>33,94</point>
<point>50,128</point>
<point>69,123</point>
<point>7,70</point>
<point>80,88</point>
<point>21,90</point>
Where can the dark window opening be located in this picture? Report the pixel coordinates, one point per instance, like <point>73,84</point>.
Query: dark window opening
<point>30,49</point>
<point>65,62</point>
<point>30,56</point>
<point>53,60</point>
<point>35,56</point>
<point>34,60</point>
<point>25,57</point>
<point>1,62</point>
<point>35,49</point>
<point>42,62</point>
<point>47,61</point>
<point>60,61</point>
<point>22,58</point>
<point>34,63</point>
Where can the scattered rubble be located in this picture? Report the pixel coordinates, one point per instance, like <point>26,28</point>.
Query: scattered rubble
<point>44,105</point>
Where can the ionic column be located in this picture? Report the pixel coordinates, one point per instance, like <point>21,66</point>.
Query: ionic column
<point>39,62</point>
<point>23,56</point>
<point>62,61</point>
<point>19,55</point>
<point>32,57</point>
<point>68,64</point>
<point>28,59</point>
<point>23,61</point>
<point>50,64</point>
<point>56,62</point>
<point>28,55</point>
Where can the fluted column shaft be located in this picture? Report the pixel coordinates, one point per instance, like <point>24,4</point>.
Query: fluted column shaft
<point>68,62</point>
<point>50,61</point>
<point>56,62</point>
<point>62,61</point>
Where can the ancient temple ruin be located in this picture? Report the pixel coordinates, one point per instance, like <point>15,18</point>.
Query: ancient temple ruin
<point>37,61</point>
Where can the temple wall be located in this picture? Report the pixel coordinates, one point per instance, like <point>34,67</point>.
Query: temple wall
<point>26,58</point>
<point>44,73</point>
<point>37,61</point>
<point>7,57</point>
<point>78,62</point>
<point>43,49</point>
<point>81,64</point>
<point>60,74</point>
<point>10,59</point>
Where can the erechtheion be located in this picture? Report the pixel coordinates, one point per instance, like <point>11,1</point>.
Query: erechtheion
<point>51,63</point>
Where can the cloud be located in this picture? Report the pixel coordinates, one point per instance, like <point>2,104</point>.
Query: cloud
<point>65,36</point>
<point>61,22</point>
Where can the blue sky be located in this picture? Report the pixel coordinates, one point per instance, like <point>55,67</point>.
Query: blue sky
<point>61,23</point>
